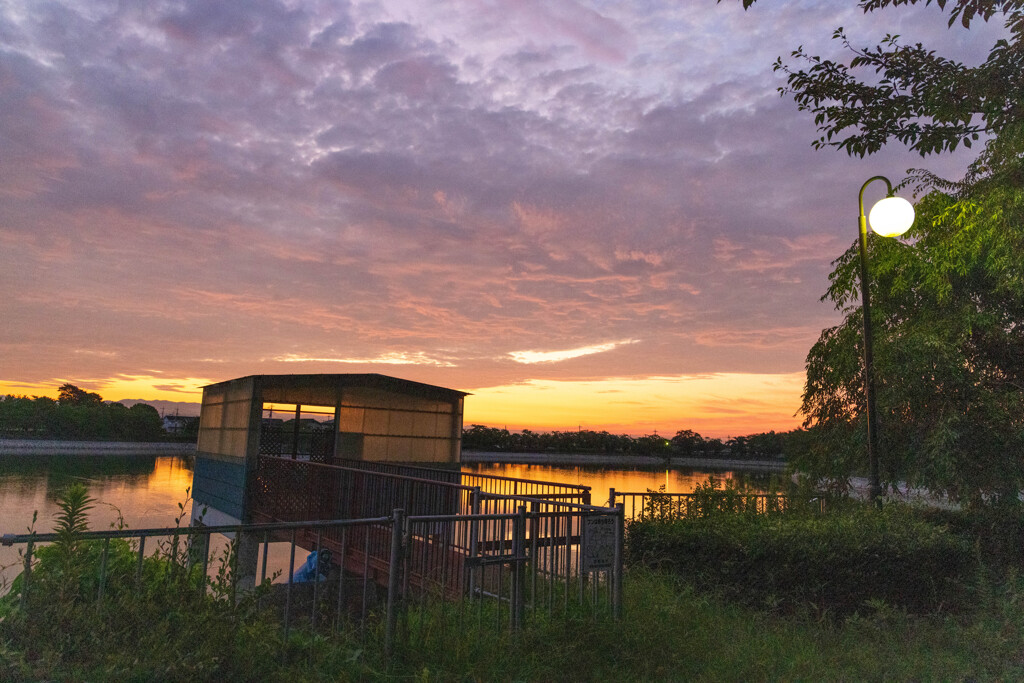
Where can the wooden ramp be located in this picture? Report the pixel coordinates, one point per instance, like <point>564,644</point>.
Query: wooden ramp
<point>438,563</point>
<point>431,563</point>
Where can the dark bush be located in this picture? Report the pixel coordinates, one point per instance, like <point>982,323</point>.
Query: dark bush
<point>837,563</point>
<point>996,532</point>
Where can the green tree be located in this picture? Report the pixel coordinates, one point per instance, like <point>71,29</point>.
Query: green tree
<point>70,395</point>
<point>948,315</point>
<point>144,423</point>
<point>910,93</point>
<point>687,442</point>
<point>947,309</point>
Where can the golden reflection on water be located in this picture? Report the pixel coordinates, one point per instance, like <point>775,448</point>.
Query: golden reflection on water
<point>144,490</point>
<point>602,479</point>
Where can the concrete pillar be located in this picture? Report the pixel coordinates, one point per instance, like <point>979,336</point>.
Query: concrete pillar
<point>247,550</point>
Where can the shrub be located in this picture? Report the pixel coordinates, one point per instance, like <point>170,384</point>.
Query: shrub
<point>837,563</point>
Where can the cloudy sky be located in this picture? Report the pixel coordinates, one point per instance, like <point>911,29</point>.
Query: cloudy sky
<point>587,213</point>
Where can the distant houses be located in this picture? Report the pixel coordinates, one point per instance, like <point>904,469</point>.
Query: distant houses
<point>181,425</point>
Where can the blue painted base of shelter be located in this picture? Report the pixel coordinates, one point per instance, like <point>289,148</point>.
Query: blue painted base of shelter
<point>220,485</point>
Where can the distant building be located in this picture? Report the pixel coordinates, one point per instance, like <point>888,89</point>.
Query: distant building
<point>180,424</point>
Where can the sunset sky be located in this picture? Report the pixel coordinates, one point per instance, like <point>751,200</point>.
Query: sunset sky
<point>593,214</point>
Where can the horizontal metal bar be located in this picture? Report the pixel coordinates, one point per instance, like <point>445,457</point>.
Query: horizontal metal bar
<point>691,495</point>
<point>529,499</point>
<point>492,477</point>
<point>370,473</point>
<point>498,477</point>
<point>11,539</point>
<point>494,559</point>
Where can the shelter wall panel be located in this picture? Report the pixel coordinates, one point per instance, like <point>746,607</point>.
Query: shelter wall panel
<point>239,391</point>
<point>376,421</point>
<point>351,419</point>
<point>424,424</point>
<point>214,394</point>
<point>444,425</point>
<point>375,448</point>
<point>209,440</point>
<point>236,414</point>
<point>417,403</point>
<point>401,423</point>
<point>418,450</point>
<point>400,449</point>
<point>375,398</point>
<point>233,442</point>
<point>365,398</point>
<point>442,450</point>
<point>212,416</point>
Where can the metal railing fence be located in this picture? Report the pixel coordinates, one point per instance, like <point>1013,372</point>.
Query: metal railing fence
<point>662,505</point>
<point>294,490</point>
<point>291,490</point>
<point>490,568</point>
<point>489,483</point>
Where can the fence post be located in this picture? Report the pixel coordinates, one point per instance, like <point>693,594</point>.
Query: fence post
<point>474,536</point>
<point>103,571</point>
<point>611,497</point>
<point>534,563</point>
<point>518,576</point>
<point>247,552</point>
<point>620,523</point>
<point>138,565</point>
<point>395,563</point>
<point>27,574</point>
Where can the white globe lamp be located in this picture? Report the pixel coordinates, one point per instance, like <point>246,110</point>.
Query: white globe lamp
<point>891,217</point>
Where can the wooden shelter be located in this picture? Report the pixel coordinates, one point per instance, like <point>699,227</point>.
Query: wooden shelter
<point>320,418</point>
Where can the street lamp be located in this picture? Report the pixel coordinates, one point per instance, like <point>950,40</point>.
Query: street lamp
<point>890,217</point>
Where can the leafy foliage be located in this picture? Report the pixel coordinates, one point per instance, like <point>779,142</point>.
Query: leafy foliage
<point>711,498</point>
<point>835,563</point>
<point>686,443</point>
<point>160,619</point>
<point>948,319</point>
<point>929,102</point>
<point>78,414</point>
<point>70,395</point>
<point>947,309</point>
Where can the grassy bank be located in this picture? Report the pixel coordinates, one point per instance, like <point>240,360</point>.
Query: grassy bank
<point>166,627</point>
<point>670,632</point>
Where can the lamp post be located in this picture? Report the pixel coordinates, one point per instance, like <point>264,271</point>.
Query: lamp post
<point>890,217</point>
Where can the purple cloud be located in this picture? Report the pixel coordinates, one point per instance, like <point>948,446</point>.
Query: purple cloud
<point>210,187</point>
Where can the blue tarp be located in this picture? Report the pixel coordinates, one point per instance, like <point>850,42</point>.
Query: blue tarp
<point>308,571</point>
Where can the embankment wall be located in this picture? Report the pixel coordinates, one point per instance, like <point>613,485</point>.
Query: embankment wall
<point>48,447</point>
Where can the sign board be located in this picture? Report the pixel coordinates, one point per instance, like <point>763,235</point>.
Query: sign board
<point>598,543</point>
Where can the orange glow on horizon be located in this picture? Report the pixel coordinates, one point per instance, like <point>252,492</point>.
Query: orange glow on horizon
<point>142,387</point>
<point>714,405</point>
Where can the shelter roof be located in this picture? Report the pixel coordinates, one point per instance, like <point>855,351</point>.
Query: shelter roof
<point>322,384</point>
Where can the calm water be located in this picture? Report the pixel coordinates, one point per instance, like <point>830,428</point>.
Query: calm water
<point>601,479</point>
<point>146,491</point>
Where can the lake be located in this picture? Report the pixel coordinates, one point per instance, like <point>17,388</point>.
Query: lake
<point>146,490</point>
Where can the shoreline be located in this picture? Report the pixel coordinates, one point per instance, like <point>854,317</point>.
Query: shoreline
<point>37,447</point>
<point>488,457</point>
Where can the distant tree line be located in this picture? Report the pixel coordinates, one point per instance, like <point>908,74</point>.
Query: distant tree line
<point>686,443</point>
<point>78,414</point>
